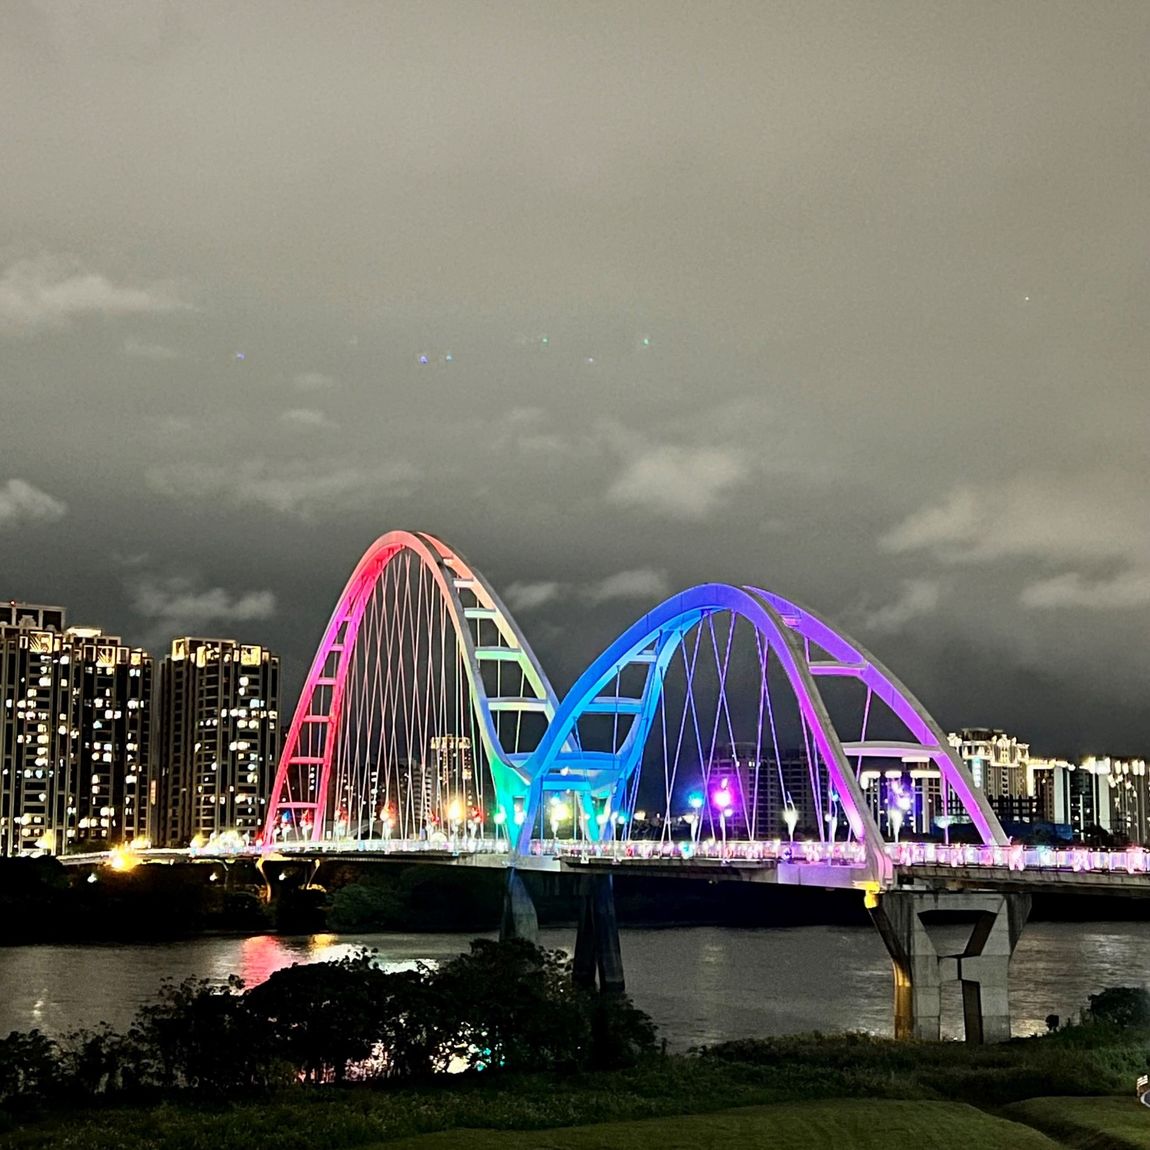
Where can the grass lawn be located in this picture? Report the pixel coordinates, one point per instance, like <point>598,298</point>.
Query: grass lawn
<point>1106,1123</point>
<point>841,1124</point>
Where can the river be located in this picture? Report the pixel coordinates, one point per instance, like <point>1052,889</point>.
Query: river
<point>700,984</point>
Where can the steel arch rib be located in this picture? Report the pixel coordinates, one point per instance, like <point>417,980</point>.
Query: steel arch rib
<point>330,665</point>
<point>906,706</point>
<point>673,618</point>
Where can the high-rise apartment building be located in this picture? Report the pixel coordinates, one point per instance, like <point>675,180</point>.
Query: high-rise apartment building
<point>1129,798</point>
<point>110,791</point>
<point>75,734</point>
<point>996,760</point>
<point>219,714</point>
<point>1082,796</point>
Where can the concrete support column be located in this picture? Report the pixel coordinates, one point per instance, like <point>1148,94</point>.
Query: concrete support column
<point>597,951</point>
<point>996,921</point>
<point>519,918</point>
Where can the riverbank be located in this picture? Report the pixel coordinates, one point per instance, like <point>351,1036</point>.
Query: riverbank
<point>846,1091</point>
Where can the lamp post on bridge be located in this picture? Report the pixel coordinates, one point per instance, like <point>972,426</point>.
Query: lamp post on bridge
<point>619,821</point>
<point>894,819</point>
<point>791,818</point>
<point>695,802</point>
<point>722,800</point>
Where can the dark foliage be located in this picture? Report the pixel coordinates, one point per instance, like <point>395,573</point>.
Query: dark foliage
<point>31,1067</point>
<point>1125,1007</point>
<point>503,1006</point>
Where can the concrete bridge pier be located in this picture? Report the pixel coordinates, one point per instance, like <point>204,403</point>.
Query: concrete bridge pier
<point>597,951</point>
<point>519,917</point>
<point>903,918</point>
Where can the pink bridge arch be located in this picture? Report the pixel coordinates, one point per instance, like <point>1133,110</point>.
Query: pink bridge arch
<point>303,776</point>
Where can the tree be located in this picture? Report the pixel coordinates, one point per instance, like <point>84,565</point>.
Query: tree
<point>1127,1007</point>
<point>205,1037</point>
<point>325,1016</point>
<point>514,1006</point>
<point>30,1067</point>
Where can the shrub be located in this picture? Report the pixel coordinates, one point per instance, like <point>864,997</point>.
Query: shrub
<point>30,1067</point>
<point>332,1020</point>
<point>1126,1007</point>
<point>204,1037</point>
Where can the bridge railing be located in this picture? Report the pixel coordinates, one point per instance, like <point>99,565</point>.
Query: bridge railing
<point>1077,859</point>
<point>1019,858</point>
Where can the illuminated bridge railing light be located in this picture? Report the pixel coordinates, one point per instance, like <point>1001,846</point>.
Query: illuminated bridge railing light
<point>771,852</point>
<point>1077,859</point>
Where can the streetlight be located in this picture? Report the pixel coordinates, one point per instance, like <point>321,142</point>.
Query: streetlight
<point>454,817</point>
<point>945,821</point>
<point>619,821</point>
<point>721,799</point>
<point>695,802</point>
<point>894,815</point>
<point>832,819</point>
<point>560,812</point>
<point>791,818</point>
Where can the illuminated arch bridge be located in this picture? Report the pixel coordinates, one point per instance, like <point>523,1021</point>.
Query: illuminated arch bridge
<point>726,723</point>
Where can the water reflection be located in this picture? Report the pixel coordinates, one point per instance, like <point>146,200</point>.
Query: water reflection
<point>700,985</point>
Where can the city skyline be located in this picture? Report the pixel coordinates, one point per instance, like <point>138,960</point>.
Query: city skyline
<point>847,304</point>
<point>202,743</point>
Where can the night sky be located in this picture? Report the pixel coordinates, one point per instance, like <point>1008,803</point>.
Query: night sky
<point>849,301</point>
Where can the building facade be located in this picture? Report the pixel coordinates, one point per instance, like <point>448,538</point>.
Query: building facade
<point>763,786</point>
<point>1129,798</point>
<point>219,714</point>
<point>76,735</point>
<point>998,763</point>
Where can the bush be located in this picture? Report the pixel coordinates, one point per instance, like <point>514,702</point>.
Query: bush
<point>203,1037</point>
<point>508,1005</point>
<point>30,1067</point>
<point>1126,1007</point>
<point>329,1017</point>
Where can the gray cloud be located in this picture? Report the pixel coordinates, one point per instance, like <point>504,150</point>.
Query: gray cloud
<point>1130,589</point>
<point>531,596</point>
<point>290,489</point>
<point>916,598</point>
<point>22,504</point>
<point>679,482</point>
<point>1058,515</point>
<point>50,290</point>
<point>179,605</point>
<point>638,583</point>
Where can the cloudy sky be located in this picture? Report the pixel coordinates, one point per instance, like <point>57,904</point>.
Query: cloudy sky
<point>845,300</point>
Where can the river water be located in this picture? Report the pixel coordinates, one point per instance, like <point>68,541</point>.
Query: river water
<point>700,984</point>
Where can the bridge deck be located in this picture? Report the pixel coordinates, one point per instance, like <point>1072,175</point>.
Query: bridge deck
<point>831,866</point>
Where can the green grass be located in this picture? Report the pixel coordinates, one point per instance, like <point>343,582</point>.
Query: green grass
<point>1088,1123</point>
<point>827,1079</point>
<point>843,1123</point>
<point>852,1123</point>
